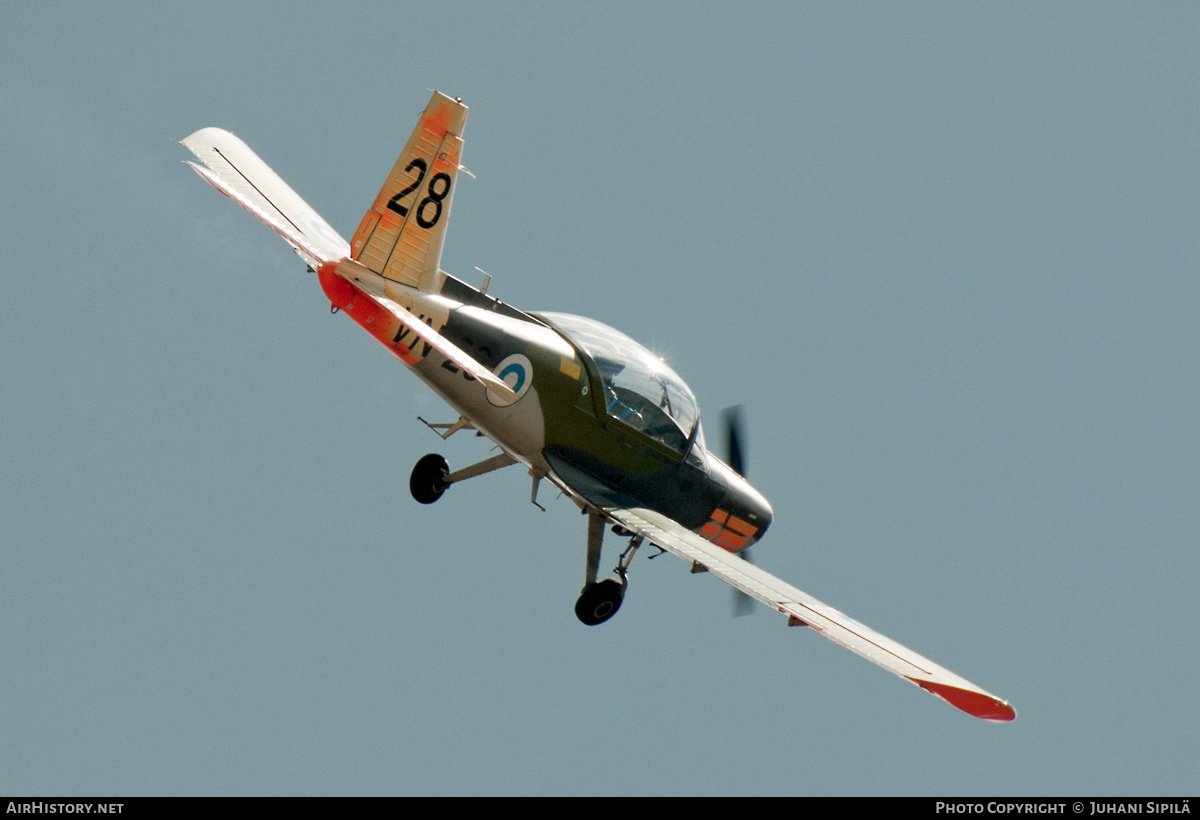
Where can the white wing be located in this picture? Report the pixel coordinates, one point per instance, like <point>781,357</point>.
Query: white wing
<point>236,171</point>
<point>804,610</point>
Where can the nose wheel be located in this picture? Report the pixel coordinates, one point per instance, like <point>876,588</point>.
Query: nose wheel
<point>428,479</point>
<point>599,602</point>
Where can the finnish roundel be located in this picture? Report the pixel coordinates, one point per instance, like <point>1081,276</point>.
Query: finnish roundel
<point>517,373</point>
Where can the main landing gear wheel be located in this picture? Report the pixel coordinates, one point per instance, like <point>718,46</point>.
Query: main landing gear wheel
<point>428,479</point>
<point>599,602</point>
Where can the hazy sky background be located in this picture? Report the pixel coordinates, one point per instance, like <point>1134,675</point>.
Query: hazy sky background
<point>944,254</point>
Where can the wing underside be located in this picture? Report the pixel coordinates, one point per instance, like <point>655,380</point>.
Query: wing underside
<point>804,610</point>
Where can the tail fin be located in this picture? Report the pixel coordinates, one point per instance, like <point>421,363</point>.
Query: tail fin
<point>236,171</point>
<point>401,236</point>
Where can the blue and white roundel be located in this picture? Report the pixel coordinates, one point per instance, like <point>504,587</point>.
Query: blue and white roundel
<point>517,373</point>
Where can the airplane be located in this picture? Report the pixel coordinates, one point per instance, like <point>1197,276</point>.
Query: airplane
<point>575,402</point>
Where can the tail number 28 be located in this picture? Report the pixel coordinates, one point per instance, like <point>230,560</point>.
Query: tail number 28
<point>429,209</point>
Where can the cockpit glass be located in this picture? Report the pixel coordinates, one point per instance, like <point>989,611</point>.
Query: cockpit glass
<point>639,388</point>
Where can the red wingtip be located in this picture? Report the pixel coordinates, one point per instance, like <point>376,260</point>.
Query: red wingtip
<point>973,703</point>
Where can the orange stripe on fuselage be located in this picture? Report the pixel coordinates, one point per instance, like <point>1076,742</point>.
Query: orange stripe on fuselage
<point>360,307</point>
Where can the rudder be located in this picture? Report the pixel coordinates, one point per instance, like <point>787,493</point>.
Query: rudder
<point>402,235</point>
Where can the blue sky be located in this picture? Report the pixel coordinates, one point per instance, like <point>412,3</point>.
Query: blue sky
<point>945,256</point>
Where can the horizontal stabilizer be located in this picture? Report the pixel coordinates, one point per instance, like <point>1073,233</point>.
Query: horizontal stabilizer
<point>236,171</point>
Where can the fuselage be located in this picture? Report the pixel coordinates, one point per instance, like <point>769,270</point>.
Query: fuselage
<point>595,413</point>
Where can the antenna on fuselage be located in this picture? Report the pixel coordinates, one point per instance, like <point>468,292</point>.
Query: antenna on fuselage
<point>487,278</point>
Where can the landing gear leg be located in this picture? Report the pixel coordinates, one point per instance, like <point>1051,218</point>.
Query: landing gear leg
<point>600,601</point>
<point>595,538</point>
<point>627,557</point>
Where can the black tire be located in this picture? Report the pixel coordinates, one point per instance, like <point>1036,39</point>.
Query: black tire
<point>428,479</point>
<point>599,602</point>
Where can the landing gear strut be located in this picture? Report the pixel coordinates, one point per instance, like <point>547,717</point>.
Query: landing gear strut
<point>600,601</point>
<point>432,475</point>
